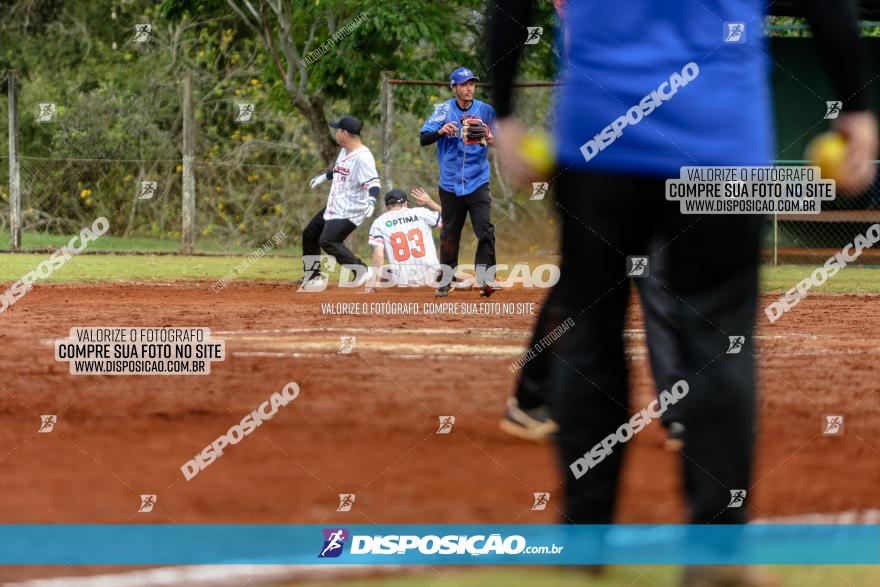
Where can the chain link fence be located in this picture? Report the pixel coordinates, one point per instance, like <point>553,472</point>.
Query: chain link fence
<point>238,205</point>
<point>813,238</point>
<point>127,164</point>
<point>251,180</point>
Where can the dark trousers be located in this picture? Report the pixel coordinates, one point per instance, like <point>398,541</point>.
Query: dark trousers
<point>454,211</point>
<point>534,388</point>
<point>328,235</point>
<point>701,289</point>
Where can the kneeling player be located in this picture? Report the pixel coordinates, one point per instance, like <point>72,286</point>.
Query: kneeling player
<point>404,233</point>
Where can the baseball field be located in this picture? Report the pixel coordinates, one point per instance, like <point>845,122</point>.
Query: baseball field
<point>221,364</point>
<point>366,419</point>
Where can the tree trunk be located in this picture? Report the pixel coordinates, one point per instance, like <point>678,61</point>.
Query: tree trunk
<point>313,110</point>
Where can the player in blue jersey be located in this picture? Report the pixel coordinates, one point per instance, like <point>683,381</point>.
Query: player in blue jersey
<point>463,129</point>
<point>649,88</point>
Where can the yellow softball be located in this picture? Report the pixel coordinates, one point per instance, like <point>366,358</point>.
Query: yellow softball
<point>536,149</point>
<point>828,151</point>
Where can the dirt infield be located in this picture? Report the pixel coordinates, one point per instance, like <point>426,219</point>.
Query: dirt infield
<point>366,422</point>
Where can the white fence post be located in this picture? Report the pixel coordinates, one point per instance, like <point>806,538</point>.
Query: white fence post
<point>14,166</point>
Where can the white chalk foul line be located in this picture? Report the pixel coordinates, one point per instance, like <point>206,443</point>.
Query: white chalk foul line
<point>278,343</point>
<point>415,357</point>
<point>870,516</point>
<point>219,575</point>
<point>485,332</point>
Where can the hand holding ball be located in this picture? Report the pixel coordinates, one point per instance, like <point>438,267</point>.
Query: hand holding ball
<point>525,156</point>
<point>848,153</point>
<point>828,152</point>
<point>536,150</point>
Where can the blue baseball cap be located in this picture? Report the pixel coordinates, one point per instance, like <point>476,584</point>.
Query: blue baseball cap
<point>461,75</point>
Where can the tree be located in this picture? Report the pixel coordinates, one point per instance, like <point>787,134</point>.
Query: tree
<point>325,51</point>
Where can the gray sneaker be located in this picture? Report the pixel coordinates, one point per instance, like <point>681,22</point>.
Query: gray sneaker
<point>534,425</point>
<point>674,437</point>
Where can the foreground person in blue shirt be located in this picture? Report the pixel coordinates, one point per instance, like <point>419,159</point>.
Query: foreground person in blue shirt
<point>463,158</point>
<point>649,88</point>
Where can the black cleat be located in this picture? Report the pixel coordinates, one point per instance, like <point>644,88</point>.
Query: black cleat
<point>442,291</point>
<point>316,283</point>
<point>487,289</point>
<point>305,278</point>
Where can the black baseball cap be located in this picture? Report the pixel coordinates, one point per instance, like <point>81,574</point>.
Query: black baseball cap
<point>395,197</point>
<point>348,123</point>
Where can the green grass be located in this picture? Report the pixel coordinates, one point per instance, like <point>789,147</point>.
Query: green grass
<point>854,279</point>
<point>150,267</point>
<point>107,243</point>
<point>40,240</point>
<point>631,576</point>
<point>88,267</point>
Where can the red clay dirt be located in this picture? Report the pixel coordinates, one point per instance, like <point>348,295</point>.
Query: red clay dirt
<point>366,422</point>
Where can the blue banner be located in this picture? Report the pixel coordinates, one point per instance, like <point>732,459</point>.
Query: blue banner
<point>437,544</point>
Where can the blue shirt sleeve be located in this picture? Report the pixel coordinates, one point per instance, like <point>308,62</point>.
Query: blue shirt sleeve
<point>437,119</point>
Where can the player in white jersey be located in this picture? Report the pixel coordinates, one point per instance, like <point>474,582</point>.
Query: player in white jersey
<point>403,234</point>
<point>352,199</point>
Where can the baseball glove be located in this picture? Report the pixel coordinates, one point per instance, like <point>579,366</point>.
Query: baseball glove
<point>474,131</point>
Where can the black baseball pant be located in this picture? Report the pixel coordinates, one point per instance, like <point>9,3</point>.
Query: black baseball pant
<point>701,288</point>
<point>657,304</point>
<point>329,236</point>
<point>454,210</point>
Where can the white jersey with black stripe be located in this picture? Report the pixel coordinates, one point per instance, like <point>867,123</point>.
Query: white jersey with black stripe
<point>353,176</point>
<point>406,237</point>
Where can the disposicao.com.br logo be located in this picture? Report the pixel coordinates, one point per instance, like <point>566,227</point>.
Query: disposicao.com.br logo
<point>431,544</point>
<point>334,542</point>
